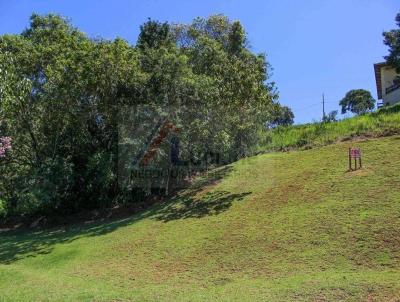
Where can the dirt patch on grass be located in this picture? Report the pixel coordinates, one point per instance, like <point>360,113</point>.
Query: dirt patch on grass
<point>368,136</point>
<point>359,172</point>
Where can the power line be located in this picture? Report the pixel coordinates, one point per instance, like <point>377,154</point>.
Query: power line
<point>307,107</point>
<point>313,105</point>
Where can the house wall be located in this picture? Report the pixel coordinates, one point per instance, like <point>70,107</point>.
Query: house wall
<point>388,74</point>
<point>392,98</point>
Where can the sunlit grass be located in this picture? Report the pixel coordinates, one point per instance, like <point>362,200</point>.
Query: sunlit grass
<point>292,226</point>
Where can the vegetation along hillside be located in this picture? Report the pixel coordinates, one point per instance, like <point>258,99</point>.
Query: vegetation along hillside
<point>294,226</point>
<point>383,122</point>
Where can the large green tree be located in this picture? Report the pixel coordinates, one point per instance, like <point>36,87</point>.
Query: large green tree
<point>237,97</point>
<point>358,101</point>
<point>60,107</point>
<point>392,40</point>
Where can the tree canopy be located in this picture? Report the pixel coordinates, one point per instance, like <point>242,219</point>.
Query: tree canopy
<point>392,40</point>
<point>283,116</point>
<point>62,96</point>
<point>358,101</point>
<point>330,117</point>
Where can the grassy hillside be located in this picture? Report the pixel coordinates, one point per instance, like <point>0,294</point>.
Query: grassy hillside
<point>277,227</point>
<point>384,122</point>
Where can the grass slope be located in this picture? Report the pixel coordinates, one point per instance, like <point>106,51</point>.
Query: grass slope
<point>384,122</point>
<point>277,227</point>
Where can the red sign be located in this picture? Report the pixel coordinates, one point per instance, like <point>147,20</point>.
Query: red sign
<point>355,153</point>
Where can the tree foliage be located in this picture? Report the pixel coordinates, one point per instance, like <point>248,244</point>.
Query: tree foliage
<point>154,34</point>
<point>283,116</point>
<point>392,40</point>
<point>330,117</point>
<point>358,101</point>
<point>61,95</point>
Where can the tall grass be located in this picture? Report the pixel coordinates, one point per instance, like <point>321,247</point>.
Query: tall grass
<point>385,121</point>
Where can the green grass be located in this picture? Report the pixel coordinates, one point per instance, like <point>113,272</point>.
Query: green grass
<point>290,226</point>
<point>384,122</point>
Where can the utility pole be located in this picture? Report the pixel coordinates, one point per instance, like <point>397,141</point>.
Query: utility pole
<point>323,107</point>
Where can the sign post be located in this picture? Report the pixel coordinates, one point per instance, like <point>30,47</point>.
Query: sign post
<point>355,153</point>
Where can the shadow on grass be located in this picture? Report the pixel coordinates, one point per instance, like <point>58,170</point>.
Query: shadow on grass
<point>188,206</point>
<point>210,178</point>
<point>18,245</point>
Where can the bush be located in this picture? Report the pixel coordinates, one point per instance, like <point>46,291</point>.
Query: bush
<point>3,208</point>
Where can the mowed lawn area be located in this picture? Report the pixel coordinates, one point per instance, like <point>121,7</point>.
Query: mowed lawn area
<point>290,226</point>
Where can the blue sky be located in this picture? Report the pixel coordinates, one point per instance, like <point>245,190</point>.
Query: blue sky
<point>314,46</point>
